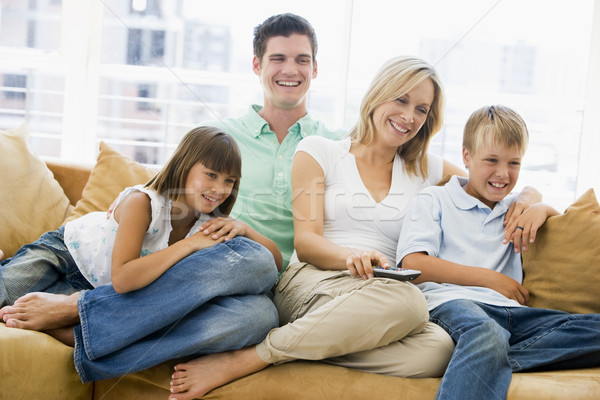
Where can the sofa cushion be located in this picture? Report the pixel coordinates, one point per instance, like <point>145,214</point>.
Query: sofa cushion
<point>32,200</point>
<point>37,366</point>
<point>112,173</point>
<point>562,267</point>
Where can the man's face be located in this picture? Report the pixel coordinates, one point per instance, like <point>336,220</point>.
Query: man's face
<point>286,70</point>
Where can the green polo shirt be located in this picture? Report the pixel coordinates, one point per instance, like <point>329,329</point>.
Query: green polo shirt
<point>265,197</point>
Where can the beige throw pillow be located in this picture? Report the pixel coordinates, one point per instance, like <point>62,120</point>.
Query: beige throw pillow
<point>112,173</point>
<point>31,200</point>
<point>562,267</point>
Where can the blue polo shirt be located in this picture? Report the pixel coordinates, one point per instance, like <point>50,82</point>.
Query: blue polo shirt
<point>448,223</point>
<point>265,197</point>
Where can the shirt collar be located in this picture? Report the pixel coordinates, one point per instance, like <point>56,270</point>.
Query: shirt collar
<point>465,201</point>
<point>257,125</point>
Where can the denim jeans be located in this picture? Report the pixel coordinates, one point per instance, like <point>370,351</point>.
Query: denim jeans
<point>492,342</point>
<point>42,266</point>
<point>214,300</point>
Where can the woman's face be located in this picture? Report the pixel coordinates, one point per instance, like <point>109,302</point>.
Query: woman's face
<point>398,121</point>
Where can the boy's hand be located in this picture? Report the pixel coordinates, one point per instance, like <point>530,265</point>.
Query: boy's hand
<point>360,262</point>
<point>524,228</point>
<point>224,227</point>
<point>508,287</point>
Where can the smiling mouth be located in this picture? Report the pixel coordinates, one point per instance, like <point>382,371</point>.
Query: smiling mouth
<point>211,199</point>
<point>288,83</point>
<point>499,185</point>
<point>398,127</point>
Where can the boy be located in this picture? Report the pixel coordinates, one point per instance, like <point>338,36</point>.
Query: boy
<point>471,277</point>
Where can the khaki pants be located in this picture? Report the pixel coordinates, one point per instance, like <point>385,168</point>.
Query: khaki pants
<point>377,325</point>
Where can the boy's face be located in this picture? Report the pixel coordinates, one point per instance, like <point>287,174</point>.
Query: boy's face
<point>493,172</point>
<point>286,70</point>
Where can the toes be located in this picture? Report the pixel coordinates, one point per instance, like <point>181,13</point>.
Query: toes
<point>7,312</point>
<point>179,374</point>
<point>181,367</point>
<point>178,386</point>
<point>177,389</point>
<point>13,323</point>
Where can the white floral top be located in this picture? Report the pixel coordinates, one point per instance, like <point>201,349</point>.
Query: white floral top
<point>90,238</point>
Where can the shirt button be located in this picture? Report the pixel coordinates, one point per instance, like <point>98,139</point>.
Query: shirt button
<point>280,157</point>
<point>280,174</point>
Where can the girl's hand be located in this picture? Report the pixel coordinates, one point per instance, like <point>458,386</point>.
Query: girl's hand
<point>202,241</point>
<point>225,228</point>
<point>360,263</point>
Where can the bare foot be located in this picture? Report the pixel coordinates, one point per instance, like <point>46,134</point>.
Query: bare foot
<point>42,311</point>
<point>196,378</point>
<point>64,335</point>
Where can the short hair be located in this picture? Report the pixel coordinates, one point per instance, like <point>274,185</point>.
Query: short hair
<point>283,25</point>
<point>397,77</point>
<point>495,125</point>
<point>212,148</point>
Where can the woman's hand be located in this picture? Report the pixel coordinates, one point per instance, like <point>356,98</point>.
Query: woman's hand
<point>527,224</point>
<point>224,227</point>
<point>360,263</point>
<point>528,197</point>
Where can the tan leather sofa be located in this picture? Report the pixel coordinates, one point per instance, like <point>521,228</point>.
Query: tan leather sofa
<point>35,366</point>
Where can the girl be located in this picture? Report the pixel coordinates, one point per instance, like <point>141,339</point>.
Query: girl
<point>153,226</point>
<point>176,224</point>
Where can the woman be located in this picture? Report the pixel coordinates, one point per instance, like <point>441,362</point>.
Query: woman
<point>349,200</point>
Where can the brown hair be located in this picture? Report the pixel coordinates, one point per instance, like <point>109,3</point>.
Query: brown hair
<point>283,25</point>
<point>210,146</point>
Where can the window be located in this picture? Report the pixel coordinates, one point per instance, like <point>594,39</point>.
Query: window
<point>138,74</point>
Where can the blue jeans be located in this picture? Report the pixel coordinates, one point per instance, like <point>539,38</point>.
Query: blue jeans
<point>492,342</point>
<point>214,300</point>
<point>42,266</point>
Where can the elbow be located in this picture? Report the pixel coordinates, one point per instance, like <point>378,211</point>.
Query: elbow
<point>278,261</point>
<point>120,285</point>
<point>120,288</point>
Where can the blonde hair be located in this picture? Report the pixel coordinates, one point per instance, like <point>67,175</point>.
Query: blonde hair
<point>497,126</point>
<point>397,77</point>
<point>212,148</point>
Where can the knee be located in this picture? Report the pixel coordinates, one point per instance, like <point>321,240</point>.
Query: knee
<point>255,257</point>
<point>488,340</point>
<point>262,316</point>
<point>434,353</point>
<point>402,302</point>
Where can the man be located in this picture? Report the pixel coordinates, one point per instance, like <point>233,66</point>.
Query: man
<point>285,48</point>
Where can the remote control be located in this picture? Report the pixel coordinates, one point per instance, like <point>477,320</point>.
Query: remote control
<point>401,274</point>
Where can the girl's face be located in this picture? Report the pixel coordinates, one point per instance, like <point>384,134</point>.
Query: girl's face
<point>398,121</point>
<point>205,189</point>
